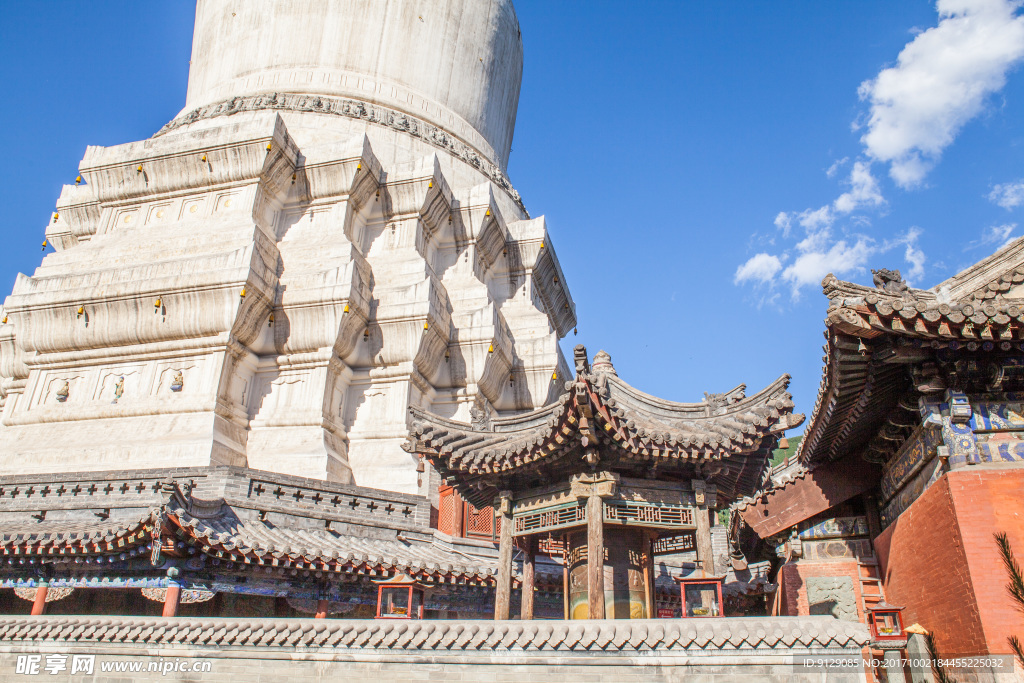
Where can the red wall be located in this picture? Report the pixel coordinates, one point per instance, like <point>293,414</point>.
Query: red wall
<point>940,560</point>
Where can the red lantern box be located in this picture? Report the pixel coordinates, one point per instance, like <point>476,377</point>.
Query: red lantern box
<point>701,594</point>
<point>400,597</point>
<point>886,622</point>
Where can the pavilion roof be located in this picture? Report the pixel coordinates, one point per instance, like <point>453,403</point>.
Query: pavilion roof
<point>726,438</point>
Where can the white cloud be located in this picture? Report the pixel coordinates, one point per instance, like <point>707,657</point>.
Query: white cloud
<point>815,219</point>
<point>940,82</point>
<point>1000,235</point>
<point>841,258</point>
<point>783,221</point>
<point>916,258</point>
<point>863,190</point>
<point>817,255</point>
<point>834,168</point>
<point>1008,195</point>
<point>760,268</point>
<point>913,254</point>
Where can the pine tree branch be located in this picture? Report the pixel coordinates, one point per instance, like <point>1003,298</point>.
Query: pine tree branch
<point>1017,648</point>
<point>1016,585</point>
<point>940,674</point>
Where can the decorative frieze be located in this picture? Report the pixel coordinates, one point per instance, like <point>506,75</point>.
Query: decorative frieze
<point>835,527</point>
<point>355,109</point>
<point>911,491</point>
<point>919,449</point>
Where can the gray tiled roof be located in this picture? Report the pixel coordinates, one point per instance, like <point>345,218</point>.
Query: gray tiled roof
<point>56,535</point>
<point>224,534</point>
<point>634,635</point>
<point>219,532</point>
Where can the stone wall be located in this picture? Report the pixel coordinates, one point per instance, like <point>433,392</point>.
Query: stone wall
<point>301,650</point>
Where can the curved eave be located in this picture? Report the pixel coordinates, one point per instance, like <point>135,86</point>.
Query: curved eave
<point>859,318</point>
<point>632,428</point>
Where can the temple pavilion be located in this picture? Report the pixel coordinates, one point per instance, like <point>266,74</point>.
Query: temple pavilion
<point>912,460</point>
<point>608,472</point>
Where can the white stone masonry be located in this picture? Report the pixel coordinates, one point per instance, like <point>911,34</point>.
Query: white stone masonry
<point>273,285</point>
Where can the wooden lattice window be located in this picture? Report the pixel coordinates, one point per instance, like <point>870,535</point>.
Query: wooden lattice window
<point>458,518</point>
<point>447,509</point>
<point>479,523</point>
<point>548,545</point>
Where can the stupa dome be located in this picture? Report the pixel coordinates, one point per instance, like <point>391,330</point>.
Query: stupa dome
<point>456,64</point>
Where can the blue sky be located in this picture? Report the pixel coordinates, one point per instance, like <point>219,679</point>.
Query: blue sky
<point>701,165</point>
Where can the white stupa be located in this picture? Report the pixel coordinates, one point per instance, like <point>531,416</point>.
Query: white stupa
<point>324,236</point>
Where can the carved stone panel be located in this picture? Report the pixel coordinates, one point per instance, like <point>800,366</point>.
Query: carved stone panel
<point>832,595</point>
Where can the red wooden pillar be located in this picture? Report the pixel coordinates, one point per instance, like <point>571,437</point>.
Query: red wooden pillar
<point>39,604</point>
<point>321,609</point>
<point>173,595</point>
<point>459,518</point>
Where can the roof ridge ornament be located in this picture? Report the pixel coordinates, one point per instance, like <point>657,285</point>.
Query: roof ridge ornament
<point>889,281</point>
<point>580,357</point>
<point>603,363</point>
<point>480,414</point>
<point>717,402</point>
